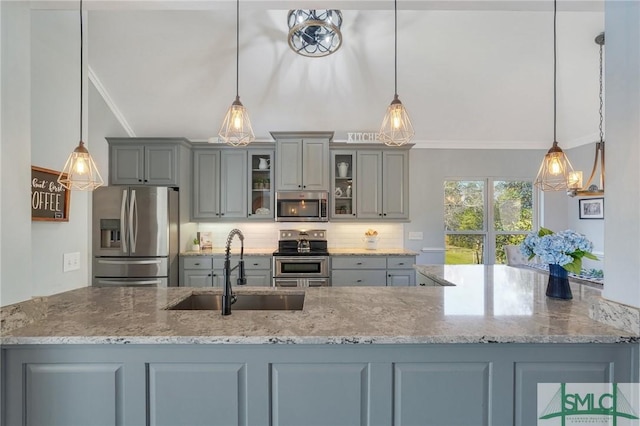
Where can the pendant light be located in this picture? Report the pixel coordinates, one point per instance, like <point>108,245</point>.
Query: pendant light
<point>555,170</point>
<point>396,129</point>
<point>575,184</point>
<point>80,171</point>
<point>314,33</point>
<point>236,128</point>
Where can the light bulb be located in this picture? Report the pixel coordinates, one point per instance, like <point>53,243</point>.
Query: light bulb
<point>396,116</point>
<point>236,118</point>
<point>555,168</point>
<point>80,166</point>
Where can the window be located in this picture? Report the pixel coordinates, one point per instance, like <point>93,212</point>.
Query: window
<point>471,205</point>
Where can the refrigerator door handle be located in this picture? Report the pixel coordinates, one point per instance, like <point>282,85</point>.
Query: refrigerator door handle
<point>123,221</point>
<point>133,229</point>
<point>128,282</point>
<point>130,262</point>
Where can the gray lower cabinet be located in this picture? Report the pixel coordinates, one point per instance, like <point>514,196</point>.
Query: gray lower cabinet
<point>293,385</point>
<point>208,271</point>
<point>372,271</point>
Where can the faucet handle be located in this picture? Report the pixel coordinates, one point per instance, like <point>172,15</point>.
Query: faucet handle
<point>242,278</point>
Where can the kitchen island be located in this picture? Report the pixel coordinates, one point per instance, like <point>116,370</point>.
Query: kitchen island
<point>352,355</point>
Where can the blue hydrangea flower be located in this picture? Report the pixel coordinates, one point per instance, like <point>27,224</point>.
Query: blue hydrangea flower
<point>559,248</point>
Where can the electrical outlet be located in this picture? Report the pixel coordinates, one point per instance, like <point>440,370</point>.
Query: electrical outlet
<point>71,262</point>
<point>415,235</point>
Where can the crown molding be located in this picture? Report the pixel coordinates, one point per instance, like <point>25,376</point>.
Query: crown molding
<point>93,78</point>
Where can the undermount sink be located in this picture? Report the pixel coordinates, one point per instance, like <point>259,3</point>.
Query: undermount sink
<point>244,302</point>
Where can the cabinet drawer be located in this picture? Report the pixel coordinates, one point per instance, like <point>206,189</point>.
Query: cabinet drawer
<point>257,262</point>
<point>340,278</point>
<point>197,262</point>
<point>358,262</point>
<point>400,262</point>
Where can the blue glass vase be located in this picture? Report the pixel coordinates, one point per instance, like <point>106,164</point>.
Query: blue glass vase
<point>558,286</point>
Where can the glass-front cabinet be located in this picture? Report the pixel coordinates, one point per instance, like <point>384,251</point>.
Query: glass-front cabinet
<point>261,189</point>
<point>343,194</point>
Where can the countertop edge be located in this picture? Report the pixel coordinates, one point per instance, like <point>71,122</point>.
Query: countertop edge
<point>315,340</point>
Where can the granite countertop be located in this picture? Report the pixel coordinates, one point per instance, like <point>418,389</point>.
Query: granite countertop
<point>376,252</point>
<point>332,251</point>
<point>488,304</point>
<point>234,251</point>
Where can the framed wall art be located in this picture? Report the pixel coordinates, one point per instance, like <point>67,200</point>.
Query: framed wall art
<point>591,208</point>
<point>49,199</point>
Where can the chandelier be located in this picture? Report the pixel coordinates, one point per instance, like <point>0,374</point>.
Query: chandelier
<point>314,33</point>
<point>575,180</point>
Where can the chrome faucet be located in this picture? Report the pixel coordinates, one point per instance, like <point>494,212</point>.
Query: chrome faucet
<point>228,298</point>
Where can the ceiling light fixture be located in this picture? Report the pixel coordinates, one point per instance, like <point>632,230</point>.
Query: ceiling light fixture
<point>315,33</point>
<point>555,170</point>
<point>236,128</point>
<point>396,129</point>
<point>80,171</point>
<point>575,181</point>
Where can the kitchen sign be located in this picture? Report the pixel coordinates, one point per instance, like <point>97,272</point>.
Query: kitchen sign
<point>49,199</point>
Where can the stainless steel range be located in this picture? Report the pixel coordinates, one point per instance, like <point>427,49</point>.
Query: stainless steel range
<point>302,259</point>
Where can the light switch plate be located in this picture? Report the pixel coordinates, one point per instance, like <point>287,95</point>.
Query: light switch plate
<point>71,262</point>
<point>415,235</point>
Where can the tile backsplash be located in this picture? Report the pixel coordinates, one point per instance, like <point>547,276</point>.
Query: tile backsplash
<point>339,235</point>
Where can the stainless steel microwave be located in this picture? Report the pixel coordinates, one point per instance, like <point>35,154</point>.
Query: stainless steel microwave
<point>302,206</point>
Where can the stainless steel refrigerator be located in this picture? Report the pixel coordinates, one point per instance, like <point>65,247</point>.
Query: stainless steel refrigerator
<point>135,236</point>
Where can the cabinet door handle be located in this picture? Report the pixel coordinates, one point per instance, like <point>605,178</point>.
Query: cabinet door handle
<point>146,180</point>
<point>213,275</point>
<point>359,263</point>
<point>197,264</point>
<point>379,214</point>
<point>423,284</point>
<point>401,263</point>
<point>209,275</point>
<point>358,281</point>
<point>384,214</point>
<point>255,264</point>
<point>354,214</point>
<point>221,214</point>
<point>139,180</point>
<point>389,275</point>
<point>249,214</point>
<point>299,186</point>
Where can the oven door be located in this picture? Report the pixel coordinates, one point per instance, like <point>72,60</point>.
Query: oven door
<point>300,266</point>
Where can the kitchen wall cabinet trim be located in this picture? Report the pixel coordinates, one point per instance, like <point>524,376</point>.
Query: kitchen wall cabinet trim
<point>489,384</point>
<point>146,161</point>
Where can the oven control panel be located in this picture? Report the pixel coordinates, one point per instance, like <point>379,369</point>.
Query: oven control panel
<point>295,234</point>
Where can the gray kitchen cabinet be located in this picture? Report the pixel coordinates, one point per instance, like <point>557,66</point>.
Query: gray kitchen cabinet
<point>205,197</point>
<point>302,161</point>
<point>208,271</point>
<point>145,161</point>
<point>382,184</point>
<point>223,184</point>
<point>282,384</point>
<point>233,184</point>
<point>373,270</point>
<point>343,190</point>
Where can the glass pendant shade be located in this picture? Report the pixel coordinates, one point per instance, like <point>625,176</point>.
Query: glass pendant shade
<point>314,33</point>
<point>396,129</point>
<point>80,172</point>
<point>555,172</point>
<point>236,128</point>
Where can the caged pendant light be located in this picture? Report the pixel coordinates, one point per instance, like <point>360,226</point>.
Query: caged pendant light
<point>80,171</point>
<point>555,171</point>
<point>396,129</point>
<point>575,182</point>
<point>236,128</point>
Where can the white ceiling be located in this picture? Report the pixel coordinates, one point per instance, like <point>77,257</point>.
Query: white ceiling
<point>468,77</point>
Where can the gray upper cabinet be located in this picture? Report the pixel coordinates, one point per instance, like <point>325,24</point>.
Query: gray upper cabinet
<point>205,199</point>
<point>223,184</point>
<point>144,161</point>
<point>382,184</point>
<point>233,187</point>
<point>302,161</point>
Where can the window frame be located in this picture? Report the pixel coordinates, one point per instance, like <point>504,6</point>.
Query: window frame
<point>489,232</point>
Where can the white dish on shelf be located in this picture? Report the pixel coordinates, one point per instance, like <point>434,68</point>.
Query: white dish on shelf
<point>263,210</point>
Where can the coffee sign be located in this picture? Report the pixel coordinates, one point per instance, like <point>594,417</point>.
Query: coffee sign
<point>49,199</point>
